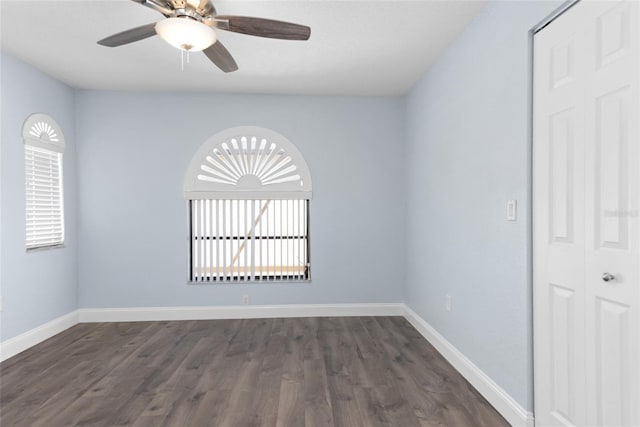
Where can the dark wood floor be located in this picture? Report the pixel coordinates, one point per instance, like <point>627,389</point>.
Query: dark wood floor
<point>359,371</point>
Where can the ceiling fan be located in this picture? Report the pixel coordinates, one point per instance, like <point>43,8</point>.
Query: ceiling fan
<point>190,25</point>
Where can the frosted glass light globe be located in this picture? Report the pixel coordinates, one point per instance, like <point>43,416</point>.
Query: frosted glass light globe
<point>186,34</point>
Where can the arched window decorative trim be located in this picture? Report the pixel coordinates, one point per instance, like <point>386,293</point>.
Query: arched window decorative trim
<point>41,131</point>
<point>245,163</point>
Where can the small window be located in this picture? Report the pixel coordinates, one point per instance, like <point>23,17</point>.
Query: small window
<point>249,190</point>
<point>43,150</point>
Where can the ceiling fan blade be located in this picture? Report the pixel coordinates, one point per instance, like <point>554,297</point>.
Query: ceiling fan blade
<point>129,36</point>
<point>263,27</point>
<point>219,55</point>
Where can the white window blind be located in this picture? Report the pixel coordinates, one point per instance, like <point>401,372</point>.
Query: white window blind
<point>45,225</point>
<point>249,240</point>
<point>43,172</point>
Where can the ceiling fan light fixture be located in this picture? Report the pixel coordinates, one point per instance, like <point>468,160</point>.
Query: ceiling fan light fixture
<point>186,34</point>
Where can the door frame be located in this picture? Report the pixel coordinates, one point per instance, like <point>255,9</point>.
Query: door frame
<point>530,228</point>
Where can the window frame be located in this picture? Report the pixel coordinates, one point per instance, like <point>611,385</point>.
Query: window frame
<point>42,134</point>
<point>231,278</point>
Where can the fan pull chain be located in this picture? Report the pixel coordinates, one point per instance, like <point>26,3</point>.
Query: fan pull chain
<point>182,58</point>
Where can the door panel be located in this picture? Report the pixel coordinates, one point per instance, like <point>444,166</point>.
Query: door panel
<point>586,223</point>
<point>561,185</point>
<point>562,339</point>
<point>562,64</point>
<point>559,296</point>
<point>613,33</point>
<point>612,357</point>
<point>612,169</point>
<point>611,220</point>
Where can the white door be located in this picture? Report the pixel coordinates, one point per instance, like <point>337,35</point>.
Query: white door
<point>586,219</point>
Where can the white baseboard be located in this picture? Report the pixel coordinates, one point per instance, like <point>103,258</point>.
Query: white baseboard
<point>26,340</point>
<point>89,315</point>
<point>500,399</point>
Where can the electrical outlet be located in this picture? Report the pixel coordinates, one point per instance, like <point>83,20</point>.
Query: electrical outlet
<point>512,210</point>
<point>448,302</point>
<point>245,299</point>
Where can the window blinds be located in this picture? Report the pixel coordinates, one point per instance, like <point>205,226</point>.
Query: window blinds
<point>45,219</point>
<point>249,240</point>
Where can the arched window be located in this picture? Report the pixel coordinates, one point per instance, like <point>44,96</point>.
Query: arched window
<point>248,190</point>
<point>43,150</point>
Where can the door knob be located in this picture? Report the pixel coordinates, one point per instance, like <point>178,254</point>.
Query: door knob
<point>607,277</point>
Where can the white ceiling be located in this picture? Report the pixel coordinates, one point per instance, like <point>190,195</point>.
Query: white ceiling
<point>356,47</point>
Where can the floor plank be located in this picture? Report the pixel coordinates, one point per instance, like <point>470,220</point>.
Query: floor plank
<point>351,372</point>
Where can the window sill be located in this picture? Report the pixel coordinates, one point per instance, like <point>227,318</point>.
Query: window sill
<point>45,248</point>
<point>249,282</point>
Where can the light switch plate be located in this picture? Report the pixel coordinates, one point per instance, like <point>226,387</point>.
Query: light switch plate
<point>512,210</point>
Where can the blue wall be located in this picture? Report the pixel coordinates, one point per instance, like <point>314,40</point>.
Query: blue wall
<point>134,152</point>
<point>39,286</point>
<point>467,154</point>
